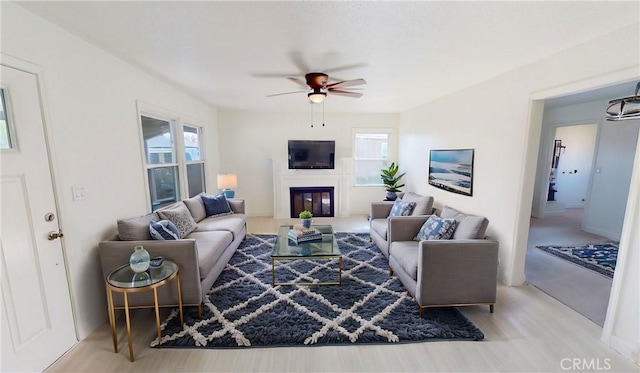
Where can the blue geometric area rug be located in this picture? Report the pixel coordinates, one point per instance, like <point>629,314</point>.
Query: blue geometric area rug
<point>243,309</point>
<point>598,257</point>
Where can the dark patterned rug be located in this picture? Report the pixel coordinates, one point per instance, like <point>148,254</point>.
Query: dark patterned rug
<point>244,310</point>
<point>598,257</point>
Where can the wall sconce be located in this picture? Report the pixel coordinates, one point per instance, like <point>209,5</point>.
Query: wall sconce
<point>226,182</point>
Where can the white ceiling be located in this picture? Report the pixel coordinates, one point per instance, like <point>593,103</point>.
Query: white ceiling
<point>409,52</point>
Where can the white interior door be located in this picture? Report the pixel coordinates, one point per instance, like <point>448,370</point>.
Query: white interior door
<point>37,321</point>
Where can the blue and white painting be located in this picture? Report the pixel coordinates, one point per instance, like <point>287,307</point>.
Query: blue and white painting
<point>452,170</point>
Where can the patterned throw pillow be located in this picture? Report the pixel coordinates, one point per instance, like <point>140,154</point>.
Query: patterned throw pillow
<point>163,230</point>
<point>401,208</point>
<point>216,205</point>
<point>436,228</point>
<point>180,216</point>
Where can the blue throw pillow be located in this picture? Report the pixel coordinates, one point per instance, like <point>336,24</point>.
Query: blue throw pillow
<point>436,228</point>
<point>216,205</point>
<point>163,230</point>
<point>401,208</point>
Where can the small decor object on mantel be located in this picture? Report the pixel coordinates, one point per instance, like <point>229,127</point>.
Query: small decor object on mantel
<point>140,260</point>
<point>306,216</point>
<point>391,180</point>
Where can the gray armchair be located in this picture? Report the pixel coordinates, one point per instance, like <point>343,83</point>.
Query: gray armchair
<point>379,223</point>
<point>456,272</point>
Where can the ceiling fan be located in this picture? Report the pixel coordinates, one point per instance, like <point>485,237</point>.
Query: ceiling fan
<point>317,87</point>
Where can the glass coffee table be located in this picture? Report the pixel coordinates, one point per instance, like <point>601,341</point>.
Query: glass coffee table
<point>286,249</point>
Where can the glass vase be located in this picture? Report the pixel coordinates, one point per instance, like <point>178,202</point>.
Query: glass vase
<point>139,260</point>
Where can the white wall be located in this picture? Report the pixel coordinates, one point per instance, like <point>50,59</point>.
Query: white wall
<point>574,167</point>
<point>91,98</point>
<point>250,141</point>
<point>494,118</point>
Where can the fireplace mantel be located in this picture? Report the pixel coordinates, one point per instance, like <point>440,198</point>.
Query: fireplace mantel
<point>284,178</point>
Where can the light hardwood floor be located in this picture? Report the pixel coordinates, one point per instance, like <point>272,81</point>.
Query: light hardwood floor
<point>529,332</point>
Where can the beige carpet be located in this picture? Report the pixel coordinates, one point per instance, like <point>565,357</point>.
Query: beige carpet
<point>581,289</point>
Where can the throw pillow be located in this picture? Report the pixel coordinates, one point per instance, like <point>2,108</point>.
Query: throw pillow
<point>136,229</point>
<point>401,208</point>
<point>180,216</point>
<point>163,230</point>
<point>467,226</point>
<point>216,205</point>
<point>436,228</point>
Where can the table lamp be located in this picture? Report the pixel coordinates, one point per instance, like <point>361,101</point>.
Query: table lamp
<point>226,182</point>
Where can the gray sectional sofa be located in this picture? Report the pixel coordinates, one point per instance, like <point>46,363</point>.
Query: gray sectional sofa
<point>445,272</point>
<point>380,220</point>
<point>201,255</point>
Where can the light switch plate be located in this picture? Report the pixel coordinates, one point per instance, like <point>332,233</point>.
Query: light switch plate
<point>79,192</point>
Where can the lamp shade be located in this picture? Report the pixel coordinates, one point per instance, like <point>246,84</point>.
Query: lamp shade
<point>317,96</point>
<point>227,181</point>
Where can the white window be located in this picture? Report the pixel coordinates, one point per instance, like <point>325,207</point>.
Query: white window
<point>175,169</point>
<point>194,160</point>
<point>370,157</point>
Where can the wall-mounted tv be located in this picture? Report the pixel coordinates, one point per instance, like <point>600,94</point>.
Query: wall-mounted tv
<point>312,154</point>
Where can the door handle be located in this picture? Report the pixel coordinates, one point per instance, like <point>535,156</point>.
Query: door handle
<point>54,235</point>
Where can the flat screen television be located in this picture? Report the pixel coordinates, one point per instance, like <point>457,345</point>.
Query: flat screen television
<point>311,154</point>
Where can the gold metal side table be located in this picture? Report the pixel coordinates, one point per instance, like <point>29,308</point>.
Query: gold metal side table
<point>124,280</point>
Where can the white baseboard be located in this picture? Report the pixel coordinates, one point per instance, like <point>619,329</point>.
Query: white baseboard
<point>625,349</point>
<point>601,232</point>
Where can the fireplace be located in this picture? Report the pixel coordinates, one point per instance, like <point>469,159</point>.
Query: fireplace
<point>318,200</point>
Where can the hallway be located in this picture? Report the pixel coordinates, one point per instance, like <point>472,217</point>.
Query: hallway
<point>585,291</point>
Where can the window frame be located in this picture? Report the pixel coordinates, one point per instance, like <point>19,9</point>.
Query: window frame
<point>177,123</point>
<point>389,132</point>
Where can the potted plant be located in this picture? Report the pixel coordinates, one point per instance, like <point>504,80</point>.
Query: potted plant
<point>391,180</point>
<point>306,216</point>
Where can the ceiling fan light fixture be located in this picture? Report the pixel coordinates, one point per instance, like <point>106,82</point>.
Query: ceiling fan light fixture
<point>624,108</point>
<point>317,96</point>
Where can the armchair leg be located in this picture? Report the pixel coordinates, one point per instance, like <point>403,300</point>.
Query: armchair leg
<point>491,307</point>
<point>390,271</point>
<point>200,311</point>
<point>421,311</point>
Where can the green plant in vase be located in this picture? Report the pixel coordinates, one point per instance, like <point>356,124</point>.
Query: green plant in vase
<point>391,181</point>
<point>306,216</point>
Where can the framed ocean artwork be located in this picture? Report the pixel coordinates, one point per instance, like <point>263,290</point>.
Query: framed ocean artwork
<point>452,170</point>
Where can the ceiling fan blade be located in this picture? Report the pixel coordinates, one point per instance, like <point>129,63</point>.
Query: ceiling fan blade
<point>299,81</point>
<point>345,93</point>
<point>347,83</point>
<point>286,93</point>
<point>354,66</point>
<point>271,75</point>
<point>297,60</point>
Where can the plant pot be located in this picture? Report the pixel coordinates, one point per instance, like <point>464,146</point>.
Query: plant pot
<point>390,196</point>
<point>306,223</point>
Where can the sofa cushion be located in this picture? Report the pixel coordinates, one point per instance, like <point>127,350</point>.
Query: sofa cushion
<point>163,230</point>
<point>180,216</point>
<point>468,226</point>
<point>210,246</point>
<point>436,228</point>
<point>216,205</point>
<point>380,226</point>
<point>406,254</point>
<point>136,229</point>
<point>233,223</point>
<point>196,207</point>
<point>424,204</point>
<point>401,208</point>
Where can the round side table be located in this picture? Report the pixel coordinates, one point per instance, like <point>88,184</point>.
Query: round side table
<point>124,280</point>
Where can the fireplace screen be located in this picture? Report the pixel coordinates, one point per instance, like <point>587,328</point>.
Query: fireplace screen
<point>318,200</point>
